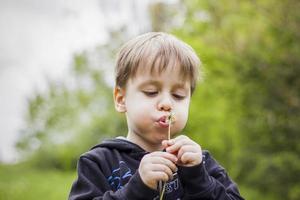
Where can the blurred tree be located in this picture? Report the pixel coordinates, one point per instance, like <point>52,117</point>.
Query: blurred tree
<point>251,53</point>
<point>270,68</point>
<point>71,116</point>
<point>164,15</point>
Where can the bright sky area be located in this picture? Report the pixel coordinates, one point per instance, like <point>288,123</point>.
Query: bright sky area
<point>37,42</point>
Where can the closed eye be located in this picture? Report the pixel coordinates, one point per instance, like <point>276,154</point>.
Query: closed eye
<point>150,93</point>
<point>178,96</point>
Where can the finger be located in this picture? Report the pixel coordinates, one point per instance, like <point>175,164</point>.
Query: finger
<point>165,144</point>
<point>165,155</point>
<point>160,176</point>
<point>189,157</point>
<point>187,148</point>
<point>165,162</point>
<point>169,142</point>
<point>163,168</point>
<point>174,140</point>
<point>177,145</point>
<point>181,137</point>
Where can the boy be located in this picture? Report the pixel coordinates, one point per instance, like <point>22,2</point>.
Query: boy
<point>156,75</point>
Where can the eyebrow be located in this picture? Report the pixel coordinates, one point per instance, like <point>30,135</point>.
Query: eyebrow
<point>150,82</point>
<point>158,83</point>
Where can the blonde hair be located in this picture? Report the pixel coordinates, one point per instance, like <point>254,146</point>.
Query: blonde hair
<point>156,51</point>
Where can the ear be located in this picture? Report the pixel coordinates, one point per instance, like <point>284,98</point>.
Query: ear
<point>119,99</point>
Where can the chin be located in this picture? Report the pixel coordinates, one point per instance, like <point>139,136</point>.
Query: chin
<point>161,138</point>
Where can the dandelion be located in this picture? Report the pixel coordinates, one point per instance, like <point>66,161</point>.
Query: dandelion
<point>170,120</point>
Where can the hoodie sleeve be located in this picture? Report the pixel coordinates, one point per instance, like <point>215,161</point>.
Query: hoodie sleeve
<point>208,181</point>
<point>92,184</point>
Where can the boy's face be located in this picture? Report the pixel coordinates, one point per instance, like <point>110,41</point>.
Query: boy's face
<point>148,100</point>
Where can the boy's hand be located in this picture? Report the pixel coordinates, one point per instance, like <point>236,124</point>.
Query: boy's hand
<point>157,166</point>
<point>188,152</point>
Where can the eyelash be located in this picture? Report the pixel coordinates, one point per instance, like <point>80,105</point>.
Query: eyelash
<point>150,94</point>
<point>154,93</point>
<point>179,97</point>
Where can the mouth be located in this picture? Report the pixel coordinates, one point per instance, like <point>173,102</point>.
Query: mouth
<point>163,121</point>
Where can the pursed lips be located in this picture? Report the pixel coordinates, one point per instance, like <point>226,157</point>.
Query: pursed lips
<point>162,121</point>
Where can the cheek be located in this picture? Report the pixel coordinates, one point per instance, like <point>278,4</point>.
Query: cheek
<point>138,109</point>
<point>183,113</point>
<point>183,119</point>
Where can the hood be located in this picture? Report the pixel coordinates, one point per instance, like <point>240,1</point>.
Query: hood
<point>122,145</point>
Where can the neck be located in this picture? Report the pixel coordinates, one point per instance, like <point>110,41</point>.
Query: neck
<point>149,147</point>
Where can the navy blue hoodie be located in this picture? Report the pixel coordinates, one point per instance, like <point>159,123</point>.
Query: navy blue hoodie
<point>109,171</point>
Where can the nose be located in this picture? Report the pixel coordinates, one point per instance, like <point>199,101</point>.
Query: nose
<point>165,103</point>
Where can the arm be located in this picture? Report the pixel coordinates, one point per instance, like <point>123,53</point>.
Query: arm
<point>209,181</point>
<point>92,184</point>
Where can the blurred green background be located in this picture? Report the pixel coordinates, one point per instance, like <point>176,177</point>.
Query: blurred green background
<point>246,112</point>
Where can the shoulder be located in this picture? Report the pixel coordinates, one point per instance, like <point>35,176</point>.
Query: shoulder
<point>97,160</point>
<point>97,154</point>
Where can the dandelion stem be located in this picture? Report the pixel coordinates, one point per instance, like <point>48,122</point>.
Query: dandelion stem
<point>170,120</point>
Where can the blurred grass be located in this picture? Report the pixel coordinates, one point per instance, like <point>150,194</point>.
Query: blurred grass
<point>23,182</point>
<point>19,182</point>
